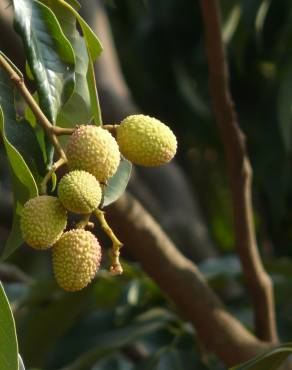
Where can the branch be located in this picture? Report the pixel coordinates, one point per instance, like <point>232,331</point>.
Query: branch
<point>180,279</point>
<point>59,131</point>
<point>240,174</point>
<point>41,118</point>
<point>59,163</point>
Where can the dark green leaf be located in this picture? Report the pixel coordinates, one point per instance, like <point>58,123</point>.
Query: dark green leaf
<point>8,342</point>
<point>270,360</point>
<point>24,185</point>
<point>144,324</point>
<point>118,183</point>
<point>25,140</point>
<point>48,323</point>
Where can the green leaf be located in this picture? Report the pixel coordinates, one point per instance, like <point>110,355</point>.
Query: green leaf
<point>50,55</point>
<point>118,183</point>
<point>76,5</point>
<point>28,71</point>
<point>8,342</point>
<point>270,360</point>
<point>93,44</point>
<point>23,182</point>
<point>94,49</point>
<point>81,107</point>
<point>93,94</point>
<point>78,108</point>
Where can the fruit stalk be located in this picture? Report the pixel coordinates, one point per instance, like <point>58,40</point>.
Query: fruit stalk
<point>84,222</point>
<point>116,268</point>
<point>59,163</point>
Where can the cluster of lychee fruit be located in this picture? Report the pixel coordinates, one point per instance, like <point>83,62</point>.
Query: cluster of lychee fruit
<point>93,156</point>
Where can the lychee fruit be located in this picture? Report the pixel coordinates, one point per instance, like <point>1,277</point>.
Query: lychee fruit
<point>42,222</point>
<point>146,141</point>
<point>79,192</point>
<point>76,259</point>
<point>93,149</point>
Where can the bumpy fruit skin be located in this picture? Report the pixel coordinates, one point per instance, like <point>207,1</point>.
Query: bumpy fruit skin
<point>146,141</point>
<point>76,259</point>
<point>93,149</point>
<point>42,222</point>
<point>79,192</point>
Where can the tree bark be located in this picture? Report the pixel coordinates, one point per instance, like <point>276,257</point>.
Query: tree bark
<point>180,279</point>
<point>240,174</point>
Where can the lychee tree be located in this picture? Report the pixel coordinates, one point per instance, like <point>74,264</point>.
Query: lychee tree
<point>92,154</point>
<point>58,124</point>
<point>67,166</point>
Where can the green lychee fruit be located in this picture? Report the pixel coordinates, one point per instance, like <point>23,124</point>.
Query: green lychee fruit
<point>146,141</point>
<point>76,259</point>
<point>79,192</point>
<point>93,149</point>
<point>42,222</point>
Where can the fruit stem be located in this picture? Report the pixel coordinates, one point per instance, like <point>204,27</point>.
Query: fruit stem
<point>43,186</point>
<point>42,120</point>
<point>111,128</point>
<point>59,131</point>
<point>84,222</point>
<point>116,267</point>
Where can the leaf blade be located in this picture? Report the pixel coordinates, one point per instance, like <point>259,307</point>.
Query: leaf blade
<point>23,182</point>
<point>93,44</point>
<point>118,183</point>
<point>8,343</point>
<point>269,360</point>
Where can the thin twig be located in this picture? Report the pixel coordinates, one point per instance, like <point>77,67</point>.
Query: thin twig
<point>240,174</point>
<point>40,116</point>
<point>84,222</point>
<point>59,163</point>
<point>111,128</point>
<point>59,131</point>
<point>116,267</point>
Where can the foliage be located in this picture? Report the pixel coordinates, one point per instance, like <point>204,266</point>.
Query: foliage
<point>174,85</point>
<point>8,346</point>
<point>127,323</point>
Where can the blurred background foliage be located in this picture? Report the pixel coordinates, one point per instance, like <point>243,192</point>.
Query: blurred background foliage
<point>126,323</point>
<point>165,66</point>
